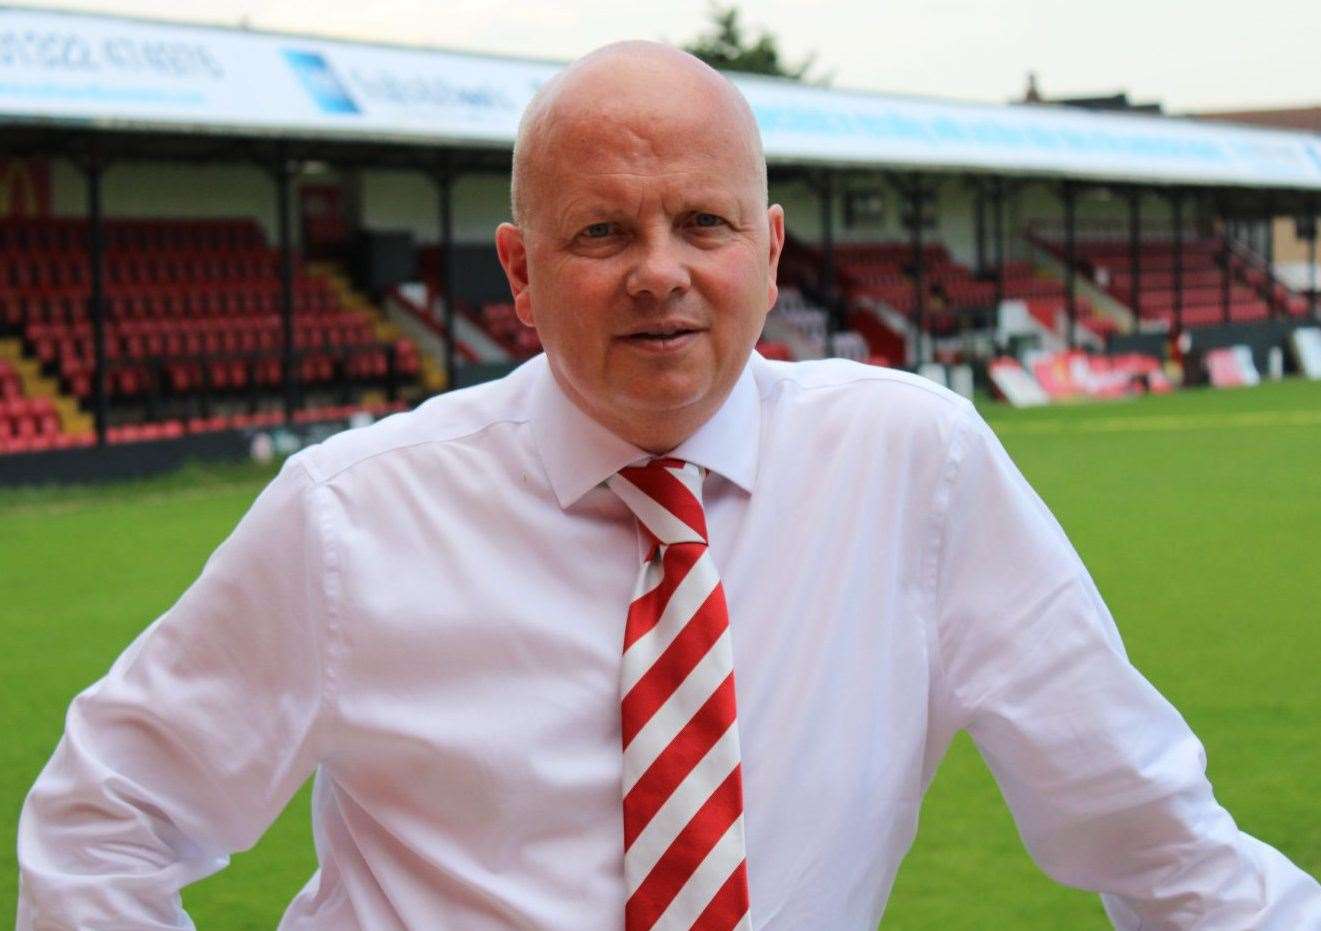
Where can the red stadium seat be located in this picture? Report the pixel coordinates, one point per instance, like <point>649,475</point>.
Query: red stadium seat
<point>183,299</point>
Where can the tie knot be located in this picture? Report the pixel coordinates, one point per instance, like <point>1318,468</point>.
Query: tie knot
<point>666,497</point>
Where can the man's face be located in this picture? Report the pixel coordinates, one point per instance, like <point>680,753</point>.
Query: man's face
<point>650,258</point>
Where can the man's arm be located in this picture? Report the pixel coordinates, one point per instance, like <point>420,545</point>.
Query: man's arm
<point>195,739</point>
<point>1106,782</point>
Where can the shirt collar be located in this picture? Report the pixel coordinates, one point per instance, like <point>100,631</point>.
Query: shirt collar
<point>580,454</point>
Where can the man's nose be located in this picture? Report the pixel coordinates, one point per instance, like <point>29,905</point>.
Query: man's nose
<point>659,271</point>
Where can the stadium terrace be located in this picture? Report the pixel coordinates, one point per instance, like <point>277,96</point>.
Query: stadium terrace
<point>211,235</point>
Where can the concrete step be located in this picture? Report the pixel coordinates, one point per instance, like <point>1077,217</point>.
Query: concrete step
<point>433,374</point>
<point>36,385</point>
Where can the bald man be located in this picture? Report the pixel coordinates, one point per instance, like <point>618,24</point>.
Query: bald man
<point>652,633</point>
<point>640,145</point>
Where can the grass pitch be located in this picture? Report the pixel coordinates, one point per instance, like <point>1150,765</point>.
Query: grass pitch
<point>1199,514</point>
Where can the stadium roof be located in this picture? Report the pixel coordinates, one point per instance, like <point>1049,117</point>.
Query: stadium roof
<point>1304,119</point>
<point>61,71</point>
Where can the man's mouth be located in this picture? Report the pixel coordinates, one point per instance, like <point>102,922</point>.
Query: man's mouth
<point>663,330</point>
<point>660,335</point>
<point>662,338</point>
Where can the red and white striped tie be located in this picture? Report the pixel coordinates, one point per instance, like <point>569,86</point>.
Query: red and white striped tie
<point>685,860</point>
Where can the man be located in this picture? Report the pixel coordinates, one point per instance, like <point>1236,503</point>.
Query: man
<point>779,589</point>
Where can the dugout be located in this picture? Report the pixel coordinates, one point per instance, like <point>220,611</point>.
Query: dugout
<point>146,118</point>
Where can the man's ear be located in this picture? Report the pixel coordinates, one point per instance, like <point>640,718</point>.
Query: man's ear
<point>510,247</point>
<point>775,221</point>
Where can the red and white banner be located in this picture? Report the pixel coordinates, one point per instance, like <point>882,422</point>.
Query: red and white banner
<point>1232,367</point>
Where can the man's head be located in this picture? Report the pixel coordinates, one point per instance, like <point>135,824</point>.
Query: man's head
<point>642,248</point>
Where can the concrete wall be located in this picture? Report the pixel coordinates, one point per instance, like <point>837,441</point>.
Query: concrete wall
<point>1028,204</point>
<point>167,189</point>
<point>406,200</point>
<point>1100,213</point>
<point>382,200</point>
<point>952,208</point>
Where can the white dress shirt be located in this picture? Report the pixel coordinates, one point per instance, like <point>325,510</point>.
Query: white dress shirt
<point>428,613</point>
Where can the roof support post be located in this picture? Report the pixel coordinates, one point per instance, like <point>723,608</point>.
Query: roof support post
<point>1268,254</point>
<point>284,170</point>
<point>1268,246</point>
<point>1135,253</point>
<point>826,195</point>
<point>979,226</point>
<point>444,179</point>
<point>1069,196</point>
<point>1312,303</point>
<point>1226,270</point>
<point>916,193</point>
<point>1176,211</point>
<point>998,238</point>
<point>96,305</point>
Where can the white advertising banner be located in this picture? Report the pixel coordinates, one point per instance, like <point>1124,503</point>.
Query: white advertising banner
<point>79,68</point>
<point>115,72</point>
<point>811,124</point>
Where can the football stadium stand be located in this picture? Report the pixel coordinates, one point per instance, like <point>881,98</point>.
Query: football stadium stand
<point>30,423</point>
<point>1199,282</point>
<point>193,332</point>
<point>490,331</point>
<point>885,272</point>
<point>878,285</point>
<point>925,233</point>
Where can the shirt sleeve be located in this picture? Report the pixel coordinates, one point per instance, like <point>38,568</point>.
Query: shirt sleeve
<point>195,739</point>
<point>1105,780</point>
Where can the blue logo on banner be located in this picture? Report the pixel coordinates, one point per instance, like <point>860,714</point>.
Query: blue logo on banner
<point>319,81</point>
<point>1314,150</point>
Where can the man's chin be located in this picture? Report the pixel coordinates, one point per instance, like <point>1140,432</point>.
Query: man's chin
<point>668,397</point>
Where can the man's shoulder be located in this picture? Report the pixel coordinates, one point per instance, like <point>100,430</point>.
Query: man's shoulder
<point>823,384</point>
<point>854,415</point>
<point>443,418</point>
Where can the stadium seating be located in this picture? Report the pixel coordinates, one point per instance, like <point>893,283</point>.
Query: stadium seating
<point>192,307</point>
<point>29,423</point>
<point>796,328</point>
<point>1252,294</point>
<point>496,319</point>
<point>882,274</point>
<point>501,323</point>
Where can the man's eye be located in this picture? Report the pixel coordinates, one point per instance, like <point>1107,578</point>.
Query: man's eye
<point>707,220</point>
<point>597,231</point>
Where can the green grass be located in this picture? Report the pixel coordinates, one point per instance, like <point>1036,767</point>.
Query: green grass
<point>1199,515</point>
<point>82,571</point>
<point>1201,530</point>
